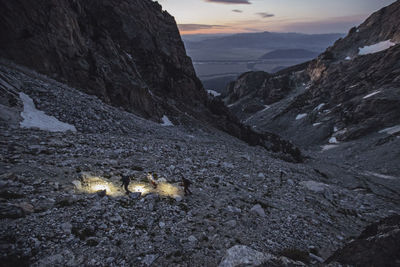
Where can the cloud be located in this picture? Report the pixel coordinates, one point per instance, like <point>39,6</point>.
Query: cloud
<point>328,25</point>
<point>235,2</point>
<point>265,15</point>
<point>196,27</point>
<point>237,11</point>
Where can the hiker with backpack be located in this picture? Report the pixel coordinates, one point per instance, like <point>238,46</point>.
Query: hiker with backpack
<point>125,183</point>
<point>152,178</point>
<point>186,183</point>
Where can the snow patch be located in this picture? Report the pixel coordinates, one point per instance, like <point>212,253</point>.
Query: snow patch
<point>319,106</point>
<point>213,93</point>
<point>391,130</point>
<point>34,118</point>
<point>371,94</point>
<point>371,49</point>
<point>129,55</point>
<point>150,92</point>
<point>301,116</point>
<point>264,109</point>
<point>348,58</point>
<point>328,147</point>
<point>383,176</point>
<point>317,123</point>
<point>333,140</point>
<point>261,111</point>
<point>166,121</point>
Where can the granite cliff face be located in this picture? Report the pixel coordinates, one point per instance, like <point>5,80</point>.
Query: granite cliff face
<point>348,92</point>
<point>128,53</point>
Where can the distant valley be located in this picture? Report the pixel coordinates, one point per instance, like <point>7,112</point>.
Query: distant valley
<point>219,59</point>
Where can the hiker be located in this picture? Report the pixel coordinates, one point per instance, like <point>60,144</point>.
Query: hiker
<point>152,179</point>
<point>186,183</point>
<point>281,177</point>
<point>125,183</point>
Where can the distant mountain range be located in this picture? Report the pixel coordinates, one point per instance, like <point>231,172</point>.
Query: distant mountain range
<point>268,40</point>
<point>290,54</point>
<point>219,55</point>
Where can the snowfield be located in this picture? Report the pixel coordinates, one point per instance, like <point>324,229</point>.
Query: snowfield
<point>34,118</point>
<point>371,49</point>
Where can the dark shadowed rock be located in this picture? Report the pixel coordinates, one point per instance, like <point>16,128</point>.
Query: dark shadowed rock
<point>11,211</point>
<point>129,53</point>
<point>101,193</point>
<point>378,245</point>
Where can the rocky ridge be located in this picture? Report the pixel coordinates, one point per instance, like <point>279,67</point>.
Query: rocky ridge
<point>342,95</point>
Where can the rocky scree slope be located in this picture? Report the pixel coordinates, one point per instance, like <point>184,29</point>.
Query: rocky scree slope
<point>128,53</point>
<point>240,208</point>
<point>346,93</point>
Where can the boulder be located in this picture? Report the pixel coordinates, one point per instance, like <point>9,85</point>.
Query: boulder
<point>101,193</point>
<point>135,195</point>
<point>243,256</point>
<point>257,209</point>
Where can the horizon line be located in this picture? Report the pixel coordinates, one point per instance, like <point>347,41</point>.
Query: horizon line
<point>234,33</point>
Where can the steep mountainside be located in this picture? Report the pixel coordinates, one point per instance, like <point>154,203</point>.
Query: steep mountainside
<point>378,245</point>
<point>348,92</point>
<point>128,53</point>
<point>138,62</point>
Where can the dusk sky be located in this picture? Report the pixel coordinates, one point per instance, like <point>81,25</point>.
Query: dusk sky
<point>233,16</point>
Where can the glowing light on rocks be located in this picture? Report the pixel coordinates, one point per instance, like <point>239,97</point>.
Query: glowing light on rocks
<point>170,190</point>
<point>139,188</point>
<point>91,184</point>
<point>99,187</point>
